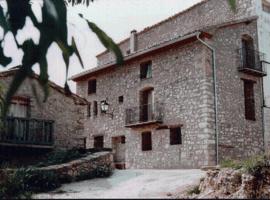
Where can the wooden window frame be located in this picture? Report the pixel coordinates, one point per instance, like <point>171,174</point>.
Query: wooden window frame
<point>146,70</point>
<point>92,86</point>
<point>176,136</point>
<point>89,110</point>
<point>95,108</point>
<point>121,99</point>
<point>249,100</point>
<point>99,144</point>
<point>147,141</point>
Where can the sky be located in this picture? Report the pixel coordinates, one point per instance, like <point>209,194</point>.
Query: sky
<point>116,17</point>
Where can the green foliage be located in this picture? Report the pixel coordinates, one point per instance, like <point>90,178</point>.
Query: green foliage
<point>194,190</point>
<point>231,164</point>
<point>53,28</point>
<point>23,182</point>
<point>100,172</point>
<point>60,156</point>
<point>252,165</point>
<point>232,4</point>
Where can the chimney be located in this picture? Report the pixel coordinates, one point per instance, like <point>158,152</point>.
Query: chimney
<point>133,41</point>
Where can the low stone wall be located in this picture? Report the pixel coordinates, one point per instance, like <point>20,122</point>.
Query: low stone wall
<point>90,166</point>
<point>94,165</point>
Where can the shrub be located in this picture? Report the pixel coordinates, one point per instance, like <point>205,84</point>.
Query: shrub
<point>100,172</point>
<point>194,190</point>
<point>60,156</point>
<point>23,182</point>
<point>231,164</point>
<point>252,165</point>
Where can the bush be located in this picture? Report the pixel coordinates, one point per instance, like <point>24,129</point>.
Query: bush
<point>252,165</point>
<point>60,156</point>
<point>231,164</point>
<point>100,172</point>
<point>194,190</point>
<point>23,182</point>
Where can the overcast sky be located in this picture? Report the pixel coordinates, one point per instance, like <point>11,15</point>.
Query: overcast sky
<point>116,17</point>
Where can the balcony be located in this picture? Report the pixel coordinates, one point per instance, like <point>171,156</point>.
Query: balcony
<point>26,132</point>
<point>251,62</point>
<point>144,115</point>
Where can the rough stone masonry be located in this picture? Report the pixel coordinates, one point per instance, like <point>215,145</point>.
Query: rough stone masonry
<point>181,81</point>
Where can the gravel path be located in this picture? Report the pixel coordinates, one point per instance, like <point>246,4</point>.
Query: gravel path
<point>130,184</point>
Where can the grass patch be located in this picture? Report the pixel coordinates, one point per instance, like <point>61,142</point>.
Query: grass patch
<point>194,190</point>
<point>251,165</point>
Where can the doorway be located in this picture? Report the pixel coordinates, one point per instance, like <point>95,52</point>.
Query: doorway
<point>146,104</point>
<point>119,151</point>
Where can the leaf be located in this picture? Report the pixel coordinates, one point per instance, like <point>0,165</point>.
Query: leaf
<point>18,11</point>
<point>75,49</point>
<point>232,3</point>
<point>3,22</point>
<point>106,41</point>
<point>3,59</point>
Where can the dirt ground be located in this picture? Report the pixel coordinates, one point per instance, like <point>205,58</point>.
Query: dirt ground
<point>130,184</point>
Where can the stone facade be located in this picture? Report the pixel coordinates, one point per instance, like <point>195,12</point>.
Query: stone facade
<point>182,80</point>
<point>66,112</point>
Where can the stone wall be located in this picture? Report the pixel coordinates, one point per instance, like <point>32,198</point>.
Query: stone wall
<point>180,82</point>
<point>94,165</point>
<point>67,115</point>
<point>238,137</point>
<point>267,129</point>
<point>88,166</point>
<point>183,80</point>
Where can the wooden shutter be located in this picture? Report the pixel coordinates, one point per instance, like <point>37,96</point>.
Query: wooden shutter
<point>175,136</point>
<point>146,141</point>
<point>95,109</point>
<point>98,142</point>
<point>249,100</point>
<point>92,85</point>
<point>89,110</point>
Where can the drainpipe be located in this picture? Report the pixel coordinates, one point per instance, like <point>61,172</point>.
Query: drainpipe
<point>215,91</point>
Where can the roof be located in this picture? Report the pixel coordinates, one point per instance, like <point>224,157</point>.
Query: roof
<point>159,23</point>
<point>77,99</point>
<point>177,41</point>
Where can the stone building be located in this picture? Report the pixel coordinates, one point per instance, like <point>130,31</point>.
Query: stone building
<point>190,91</point>
<point>56,123</point>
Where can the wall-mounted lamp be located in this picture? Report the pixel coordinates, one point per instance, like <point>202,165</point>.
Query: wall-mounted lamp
<point>105,107</point>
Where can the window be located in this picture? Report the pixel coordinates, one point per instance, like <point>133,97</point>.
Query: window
<point>249,100</point>
<point>266,6</point>
<point>98,142</point>
<point>248,52</point>
<point>121,99</point>
<point>146,141</point>
<point>123,139</point>
<point>146,70</point>
<point>175,136</point>
<point>89,110</point>
<point>92,86</point>
<point>20,107</point>
<point>95,109</point>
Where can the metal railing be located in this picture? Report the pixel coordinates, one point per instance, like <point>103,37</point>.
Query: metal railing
<point>251,60</point>
<point>144,113</point>
<point>17,130</point>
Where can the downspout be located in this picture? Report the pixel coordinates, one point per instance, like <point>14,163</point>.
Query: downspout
<point>215,91</point>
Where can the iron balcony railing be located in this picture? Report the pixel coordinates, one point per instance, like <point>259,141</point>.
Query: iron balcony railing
<point>17,130</point>
<point>251,60</point>
<point>145,113</point>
